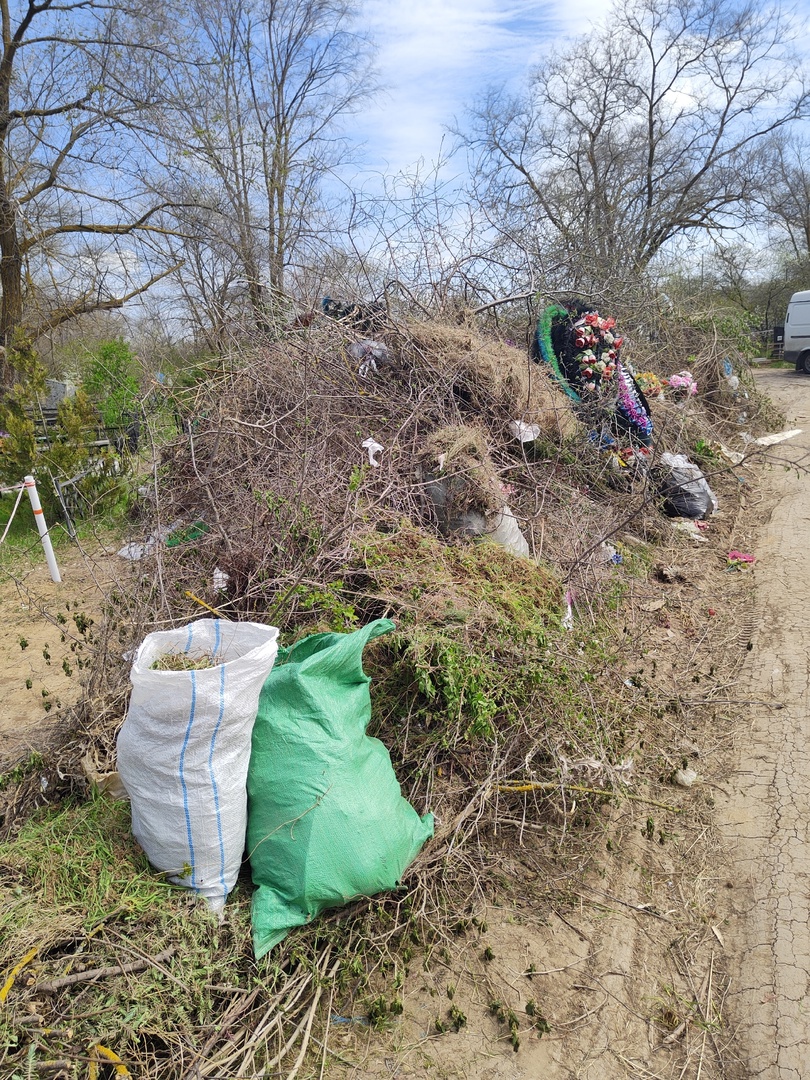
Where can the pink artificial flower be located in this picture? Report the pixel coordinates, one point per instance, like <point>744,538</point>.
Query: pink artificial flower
<point>736,558</point>
<point>684,380</point>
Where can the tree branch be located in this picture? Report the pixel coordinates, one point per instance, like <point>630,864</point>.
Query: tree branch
<point>85,305</point>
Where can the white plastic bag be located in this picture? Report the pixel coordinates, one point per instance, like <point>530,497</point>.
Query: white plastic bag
<point>184,750</point>
<point>504,530</point>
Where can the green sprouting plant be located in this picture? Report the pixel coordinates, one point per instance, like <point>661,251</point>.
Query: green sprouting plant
<point>329,604</point>
<point>507,1016</point>
<point>457,1017</point>
<point>540,1022</point>
<point>378,1012</point>
<point>21,771</point>
<point>356,477</point>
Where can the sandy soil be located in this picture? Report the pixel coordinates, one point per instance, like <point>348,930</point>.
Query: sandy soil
<point>765,816</point>
<point>47,637</point>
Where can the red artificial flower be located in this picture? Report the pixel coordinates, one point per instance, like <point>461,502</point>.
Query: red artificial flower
<point>592,319</point>
<point>608,324</point>
<point>618,342</point>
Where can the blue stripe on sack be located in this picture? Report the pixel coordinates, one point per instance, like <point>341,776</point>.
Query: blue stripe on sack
<point>213,778</point>
<point>182,775</point>
<point>190,634</point>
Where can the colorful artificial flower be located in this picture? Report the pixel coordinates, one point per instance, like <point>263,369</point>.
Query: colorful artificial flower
<point>684,383</point>
<point>589,367</point>
<point>649,383</point>
<point>740,558</point>
<point>630,406</point>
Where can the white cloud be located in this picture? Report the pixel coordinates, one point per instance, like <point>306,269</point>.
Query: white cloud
<point>436,56</point>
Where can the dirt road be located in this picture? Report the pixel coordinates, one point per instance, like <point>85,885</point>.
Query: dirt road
<point>766,817</point>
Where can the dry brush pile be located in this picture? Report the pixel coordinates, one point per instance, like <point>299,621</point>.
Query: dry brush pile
<point>497,710</point>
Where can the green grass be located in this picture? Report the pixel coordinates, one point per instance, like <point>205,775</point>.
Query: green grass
<point>75,886</point>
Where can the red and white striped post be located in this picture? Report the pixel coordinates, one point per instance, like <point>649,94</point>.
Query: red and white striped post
<point>39,517</point>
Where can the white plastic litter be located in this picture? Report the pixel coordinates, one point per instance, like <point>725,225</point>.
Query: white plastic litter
<point>685,777</point>
<point>734,456</point>
<point>524,433</point>
<point>184,749</point>
<point>135,551</point>
<point>689,526</point>
<point>373,448</point>
<point>782,436</point>
<point>506,532</point>
<point>368,354</point>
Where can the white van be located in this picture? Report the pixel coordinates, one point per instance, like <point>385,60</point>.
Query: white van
<point>797,331</point>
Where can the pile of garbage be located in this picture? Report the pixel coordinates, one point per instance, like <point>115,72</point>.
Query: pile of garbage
<point>442,425</point>
<point>438,435</point>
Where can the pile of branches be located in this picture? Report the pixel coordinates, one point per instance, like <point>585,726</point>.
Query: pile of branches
<point>272,456</point>
<point>501,719</point>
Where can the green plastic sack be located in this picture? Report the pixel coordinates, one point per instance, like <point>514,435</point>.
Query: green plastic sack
<point>326,818</point>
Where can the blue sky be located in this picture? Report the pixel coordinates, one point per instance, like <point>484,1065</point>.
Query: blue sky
<point>434,56</point>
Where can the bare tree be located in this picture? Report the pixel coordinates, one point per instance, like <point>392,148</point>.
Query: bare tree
<point>648,129</point>
<point>256,135</point>
<point>75,79</point>
<point>786,195</point>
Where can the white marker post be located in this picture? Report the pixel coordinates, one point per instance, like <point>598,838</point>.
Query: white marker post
<point>39,517</point>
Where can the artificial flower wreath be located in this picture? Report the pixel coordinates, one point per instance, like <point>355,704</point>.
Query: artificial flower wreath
<point>581,348</point>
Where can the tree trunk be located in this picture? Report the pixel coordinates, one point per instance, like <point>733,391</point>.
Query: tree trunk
<point>11,303</point>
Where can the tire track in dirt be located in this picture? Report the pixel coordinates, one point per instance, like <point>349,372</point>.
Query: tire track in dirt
<point>765,817</point>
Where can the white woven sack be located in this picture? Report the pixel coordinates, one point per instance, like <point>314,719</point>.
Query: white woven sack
<point>184,750</point>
